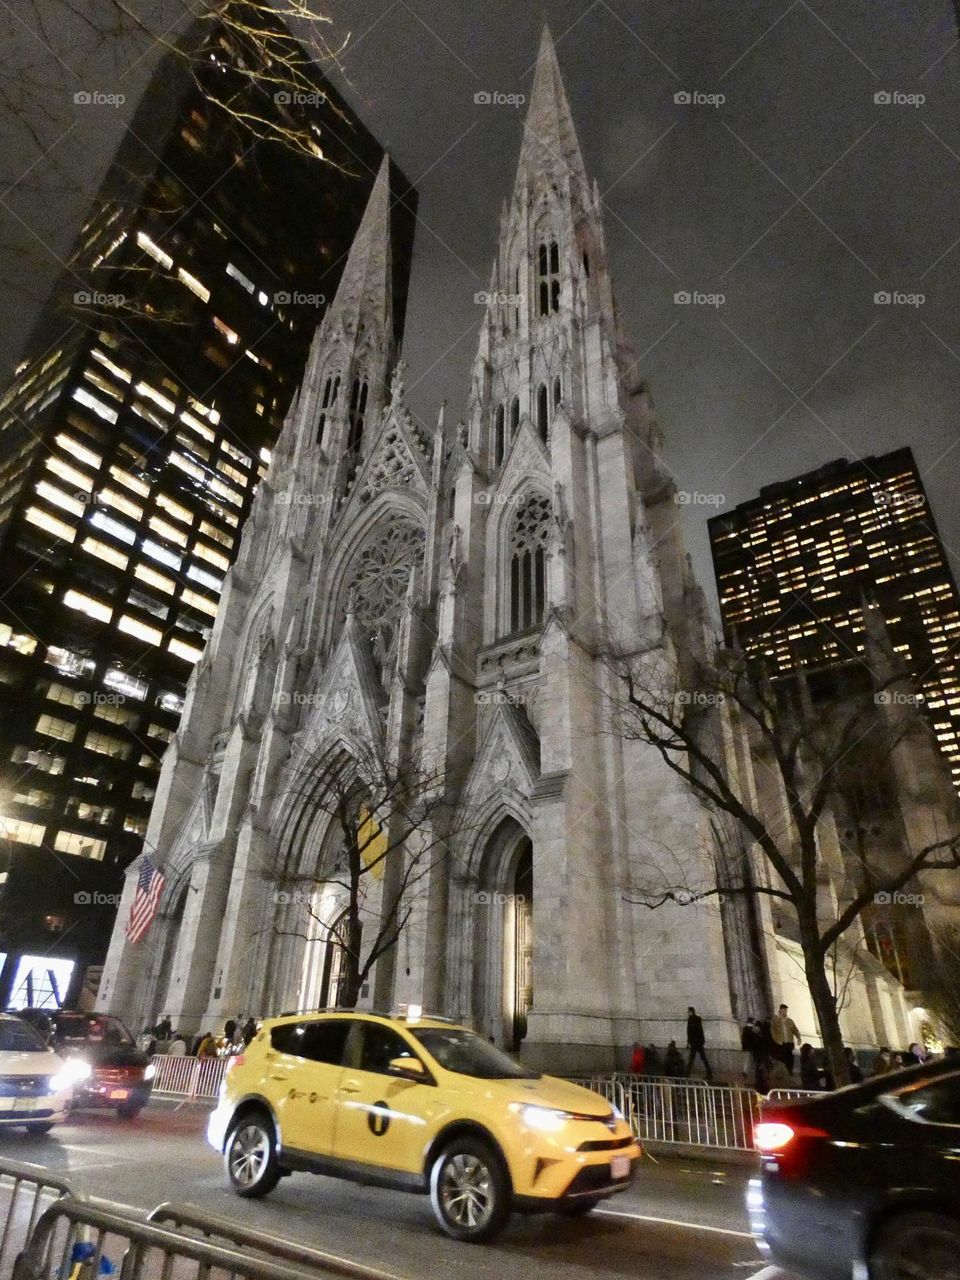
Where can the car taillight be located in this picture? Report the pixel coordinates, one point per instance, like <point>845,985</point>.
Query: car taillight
<point>772,1136</point>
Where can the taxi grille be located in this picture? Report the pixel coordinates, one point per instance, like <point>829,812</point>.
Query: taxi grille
<point>118,1075</point>
<point>605,1144</point>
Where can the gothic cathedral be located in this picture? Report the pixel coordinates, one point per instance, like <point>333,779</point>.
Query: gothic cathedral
<point>443,596</point>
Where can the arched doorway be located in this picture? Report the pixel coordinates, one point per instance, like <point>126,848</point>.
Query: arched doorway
<point>503,974</point>
<point>323,953</point>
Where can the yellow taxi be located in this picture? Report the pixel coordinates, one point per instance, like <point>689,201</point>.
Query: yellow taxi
<point>422,1104</point>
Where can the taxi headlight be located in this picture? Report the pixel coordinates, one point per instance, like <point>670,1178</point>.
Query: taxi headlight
<point>72,1072</point>
<point>543,1119</point>
<point>150,1071</point>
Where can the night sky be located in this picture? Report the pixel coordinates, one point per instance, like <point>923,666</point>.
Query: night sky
<point>798,198</point>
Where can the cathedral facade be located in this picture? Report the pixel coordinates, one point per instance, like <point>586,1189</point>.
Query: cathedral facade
<point>440,600</point>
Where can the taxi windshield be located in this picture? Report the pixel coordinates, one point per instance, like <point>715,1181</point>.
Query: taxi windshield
<point>17,1037</point>
<point>468,1054</point>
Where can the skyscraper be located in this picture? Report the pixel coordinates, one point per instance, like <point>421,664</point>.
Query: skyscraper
<point>795,566</point>
<point>131,442</point>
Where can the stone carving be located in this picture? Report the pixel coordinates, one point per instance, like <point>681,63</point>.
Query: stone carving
<point>381,576</point>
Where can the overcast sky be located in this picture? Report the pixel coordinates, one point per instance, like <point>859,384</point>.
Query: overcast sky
<point>789,190</point>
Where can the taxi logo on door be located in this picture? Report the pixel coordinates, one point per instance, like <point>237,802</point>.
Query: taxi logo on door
<point>379,1119</point>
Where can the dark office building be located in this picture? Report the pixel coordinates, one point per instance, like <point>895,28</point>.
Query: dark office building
<point>131,441</point>
<point>794,566</point>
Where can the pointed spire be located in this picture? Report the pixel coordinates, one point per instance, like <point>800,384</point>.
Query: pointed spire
<point>366,284</point>
<point>550,143</point>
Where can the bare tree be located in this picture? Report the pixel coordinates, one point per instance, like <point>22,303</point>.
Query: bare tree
<point>385,828</point>
<point>800,756</point>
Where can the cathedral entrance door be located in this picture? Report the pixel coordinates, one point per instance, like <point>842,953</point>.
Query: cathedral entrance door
<point>520,939</point>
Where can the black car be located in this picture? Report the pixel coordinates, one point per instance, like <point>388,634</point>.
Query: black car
<point>121,1076</point>
<point>863,1183</point>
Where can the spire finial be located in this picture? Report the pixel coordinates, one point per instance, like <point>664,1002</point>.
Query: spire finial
<point>550,143</point>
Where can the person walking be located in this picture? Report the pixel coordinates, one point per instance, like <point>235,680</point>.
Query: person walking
<point>696,1042</point>
<point>853,1067</point>
<point>785,1035</point>
<point>810,1074</point>
<point>249,1030</point>
<point>638,1059</point>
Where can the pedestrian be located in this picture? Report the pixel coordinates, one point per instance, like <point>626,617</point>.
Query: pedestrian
<point>178,1046</point>
<point>749,1041</point>
<point>164,1028</point>
<point>673,1061</point>
<point>853,1067</point>
<point>207,1047</point>
<point>784,1033</point>
<point>696,1042</point>
<point>638,1059</point>
<point>249,1030</point>
<point>146,1042</point>
<point>918,1053</point>
<point>882,1063</point>
<point>809,1068</point>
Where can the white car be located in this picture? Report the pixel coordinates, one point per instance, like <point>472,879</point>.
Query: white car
<point>36,1085</point>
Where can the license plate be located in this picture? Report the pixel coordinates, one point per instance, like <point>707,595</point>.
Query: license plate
<point>120,1093</point>
<point>620,1167</point>
<point>23,1104</point>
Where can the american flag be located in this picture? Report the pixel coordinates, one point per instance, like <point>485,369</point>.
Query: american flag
<point>146,901</point>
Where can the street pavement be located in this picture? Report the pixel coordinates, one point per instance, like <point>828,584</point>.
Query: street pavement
<point>683,1219</point>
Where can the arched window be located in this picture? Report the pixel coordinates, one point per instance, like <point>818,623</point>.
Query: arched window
<point>557,392</point>
<point>516,294</point>
<point>452,504</point>
<point>358,412</point>
<point>330,389</point>
<point>548,273</point>
<point>528,540</point>
<point>514,416</point>
<point>499,436</point>
<point>543,417</point>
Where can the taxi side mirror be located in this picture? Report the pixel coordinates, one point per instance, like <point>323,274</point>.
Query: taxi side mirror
<point>407,1069</point>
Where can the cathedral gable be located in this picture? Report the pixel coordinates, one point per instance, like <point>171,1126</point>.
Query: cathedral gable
<point>396,461</point>
<point>508,758</point>
<point>528,456</point>
<point>349,693</point>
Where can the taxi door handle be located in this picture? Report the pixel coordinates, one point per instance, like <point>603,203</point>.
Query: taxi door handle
<point>349,1088</point>
<point>278,1075</point>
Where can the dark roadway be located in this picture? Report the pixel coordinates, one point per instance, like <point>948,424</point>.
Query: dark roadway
<point>682,1220</point>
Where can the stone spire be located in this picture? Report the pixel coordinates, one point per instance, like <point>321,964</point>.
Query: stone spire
<point>550,146</point>
<point>365,289</point>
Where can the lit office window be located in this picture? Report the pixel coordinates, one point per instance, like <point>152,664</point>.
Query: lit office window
<point>59,498</point>
<point>22,832</point>
<point>158,580</point>
<point>88,605</point>
<point>43,520</point>
<point>154,250</point>
<point>52,727</point>
<point>134,627</point>
<point>130,686</point>
<point>90,401</point>
<point>82,846</point>
<point>17,640</point>
<point>157,552</point>
<point>101,521</point>
<point>183,650</point>
<point>105,552</point>
<point>200,602</point>
<point>103,744</point>
<point>193,284</point>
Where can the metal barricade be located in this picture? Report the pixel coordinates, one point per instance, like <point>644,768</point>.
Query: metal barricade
<point>188,1078</point>
<point>140,1250</point>
<point>223,1231</point>
<point>685,1112</point>
<point>25,1190</point>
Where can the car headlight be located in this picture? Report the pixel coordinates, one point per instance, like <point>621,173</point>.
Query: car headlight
<point>150,1071</point>
<point>543,1119</point>
<point>72,1072</point>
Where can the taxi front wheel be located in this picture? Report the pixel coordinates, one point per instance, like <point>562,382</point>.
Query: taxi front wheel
<point>251,1157</point>
<point>470,1190</point>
